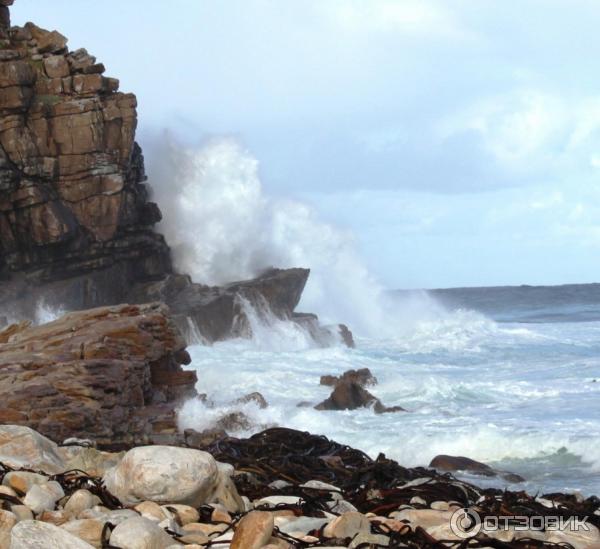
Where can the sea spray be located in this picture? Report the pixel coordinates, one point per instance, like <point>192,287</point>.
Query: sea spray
<point>223,227</point>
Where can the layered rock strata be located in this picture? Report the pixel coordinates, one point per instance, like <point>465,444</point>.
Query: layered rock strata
<point>112,374</point>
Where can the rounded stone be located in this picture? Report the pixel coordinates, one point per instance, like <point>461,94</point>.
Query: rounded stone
<point>163,474</point>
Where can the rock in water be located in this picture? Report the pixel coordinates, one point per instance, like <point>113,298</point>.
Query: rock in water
<point>112,374</point>
<point>33,534</point>
<point>164,474</point>
<point>348,395</point>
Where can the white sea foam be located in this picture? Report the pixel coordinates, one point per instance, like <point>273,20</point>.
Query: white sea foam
<point>45,313</point>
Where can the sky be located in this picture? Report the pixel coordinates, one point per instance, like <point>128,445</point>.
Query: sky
<point>459,140</point>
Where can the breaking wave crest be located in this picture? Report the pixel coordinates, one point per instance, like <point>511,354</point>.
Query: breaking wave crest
<point>222,226</point>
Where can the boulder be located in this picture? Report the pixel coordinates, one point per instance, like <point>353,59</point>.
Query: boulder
<point>22,447</point>
<point>33,534</point>
<point>112,374</point>
<point>164,475</point>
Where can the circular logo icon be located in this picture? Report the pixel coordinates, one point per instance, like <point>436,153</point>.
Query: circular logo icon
<point>465,523</point>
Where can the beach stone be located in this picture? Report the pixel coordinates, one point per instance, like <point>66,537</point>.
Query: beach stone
<point>22,447</point>
<point>79,501</point>
<point>206,529</point>
<point>22,512</point>
<point>196,538</point>
<point>274,501</point>
<point>253,531</point>
<point>440,505</point>
<point>417,500</point>
<point>8,491</point>
<point>318,485</point>
<point>152,511</point>
<point>373,540</point>
<point>347,526</point>
<point>185,513</point>
<point>43,497</point>
<point>7,521</point>
<point>33,534</point>
<point>89,530</point>
<point>57,518</point>
<point>300,524</point>
<point>140,533</point>
<point>220,515</point>
<point>426,518</point>
<point>22,481</point>
<point>94,462</point>
<point>163,474</point>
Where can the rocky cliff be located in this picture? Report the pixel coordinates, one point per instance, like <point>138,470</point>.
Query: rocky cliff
<point>76,224</point>
<point>112,374</point>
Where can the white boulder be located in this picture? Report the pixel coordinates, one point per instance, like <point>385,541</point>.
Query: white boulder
<point>164,474</point>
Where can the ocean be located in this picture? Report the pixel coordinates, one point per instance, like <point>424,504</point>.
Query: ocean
<point>509,376</point>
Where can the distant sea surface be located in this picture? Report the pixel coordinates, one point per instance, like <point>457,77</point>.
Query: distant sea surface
<point>509,376</point>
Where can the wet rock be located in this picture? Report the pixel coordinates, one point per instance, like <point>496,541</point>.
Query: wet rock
<point>362,377</point>
<point>461,463</point>
<point>140,533</point>
<point>253,531</point>
<point>255,397</point>
<point>195,439</point>
<point>30,534</point>
<point>164,474</point>
<point>350,396</point>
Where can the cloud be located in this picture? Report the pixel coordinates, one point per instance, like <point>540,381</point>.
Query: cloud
<point>408,16</point>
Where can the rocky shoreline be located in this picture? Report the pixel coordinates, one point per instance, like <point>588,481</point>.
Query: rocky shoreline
<point>91,456</point>
<point>278,489</point>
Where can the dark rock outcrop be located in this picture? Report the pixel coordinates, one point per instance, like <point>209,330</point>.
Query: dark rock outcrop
<point>362,377</point>
<point>112,374</point>
<point>348,395</point>
<point>76,224</point>
<point>460,463</point>
<point>74,212</point>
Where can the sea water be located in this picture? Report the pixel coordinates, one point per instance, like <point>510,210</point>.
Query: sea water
<point>507,376</point>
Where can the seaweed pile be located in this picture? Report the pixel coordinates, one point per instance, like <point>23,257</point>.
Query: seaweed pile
<point>379,486</point>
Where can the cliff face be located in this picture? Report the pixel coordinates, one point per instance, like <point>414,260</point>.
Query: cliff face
<point>112,374</point>
<point>76,226</point>
<point>72,198</point>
